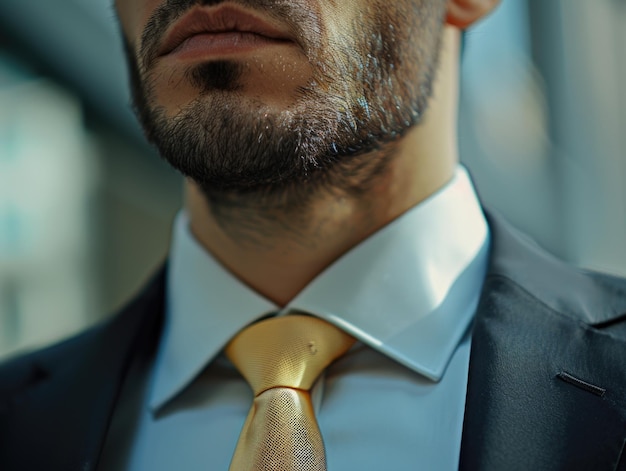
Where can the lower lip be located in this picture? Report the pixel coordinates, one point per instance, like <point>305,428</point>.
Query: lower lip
<point>221,44</point>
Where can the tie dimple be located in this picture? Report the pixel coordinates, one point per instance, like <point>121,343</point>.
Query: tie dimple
<point>281,358</point>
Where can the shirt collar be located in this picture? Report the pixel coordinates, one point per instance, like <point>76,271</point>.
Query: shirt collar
<point>409,291</point>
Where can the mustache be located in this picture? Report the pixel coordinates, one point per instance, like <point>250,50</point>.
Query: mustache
<point>297,15</point>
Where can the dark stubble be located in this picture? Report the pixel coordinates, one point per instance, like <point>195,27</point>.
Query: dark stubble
<point>367,90</point>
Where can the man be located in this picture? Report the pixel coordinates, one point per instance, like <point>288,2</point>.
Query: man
<point>318,138</point>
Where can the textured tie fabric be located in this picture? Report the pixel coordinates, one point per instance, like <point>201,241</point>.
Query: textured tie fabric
<point>281,358</point>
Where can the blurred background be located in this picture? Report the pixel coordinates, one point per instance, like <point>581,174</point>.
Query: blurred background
<point>86,205</point>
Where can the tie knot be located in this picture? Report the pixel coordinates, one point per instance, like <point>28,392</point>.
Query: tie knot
<point>289,351</point>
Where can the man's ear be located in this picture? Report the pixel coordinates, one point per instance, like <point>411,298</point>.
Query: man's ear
<point>464,13</point>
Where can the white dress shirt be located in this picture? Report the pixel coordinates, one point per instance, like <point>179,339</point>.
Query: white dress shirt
<point>395,401</point>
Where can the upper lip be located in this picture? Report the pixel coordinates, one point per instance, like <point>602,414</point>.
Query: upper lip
<point>222,19</point>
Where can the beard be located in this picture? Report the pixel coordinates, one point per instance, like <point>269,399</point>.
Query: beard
<point>367,88</point>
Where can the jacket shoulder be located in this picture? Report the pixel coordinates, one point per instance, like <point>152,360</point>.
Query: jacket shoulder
<point>593,298</point>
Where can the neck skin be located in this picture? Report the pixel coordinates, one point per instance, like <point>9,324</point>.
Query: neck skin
<point>424,160</point>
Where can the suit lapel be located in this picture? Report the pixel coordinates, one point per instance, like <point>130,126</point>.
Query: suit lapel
<point>74,390</point>
<point>546,390</point>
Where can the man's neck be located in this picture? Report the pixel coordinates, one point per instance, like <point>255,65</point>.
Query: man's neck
<point>278,254</point>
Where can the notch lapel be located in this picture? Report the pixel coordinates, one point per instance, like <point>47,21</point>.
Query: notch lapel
<point>519,414</point>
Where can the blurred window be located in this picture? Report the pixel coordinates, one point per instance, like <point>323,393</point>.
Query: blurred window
<point>46,180</point>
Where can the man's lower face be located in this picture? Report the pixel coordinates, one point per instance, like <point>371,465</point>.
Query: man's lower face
<point>259,95</point>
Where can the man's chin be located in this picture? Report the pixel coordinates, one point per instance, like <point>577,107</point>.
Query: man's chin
<point>279,87</point>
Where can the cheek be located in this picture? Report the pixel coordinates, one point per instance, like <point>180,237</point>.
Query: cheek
<point>339,19</point>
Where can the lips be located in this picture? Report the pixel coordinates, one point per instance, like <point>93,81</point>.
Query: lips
<point>219,21</point>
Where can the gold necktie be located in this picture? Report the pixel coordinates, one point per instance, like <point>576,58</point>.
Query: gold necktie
<point>281,358</point>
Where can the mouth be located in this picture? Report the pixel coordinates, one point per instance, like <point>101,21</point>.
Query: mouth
<point>223,30</point>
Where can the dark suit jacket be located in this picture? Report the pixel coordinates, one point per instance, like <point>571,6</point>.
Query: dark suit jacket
<point>547,377</point>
